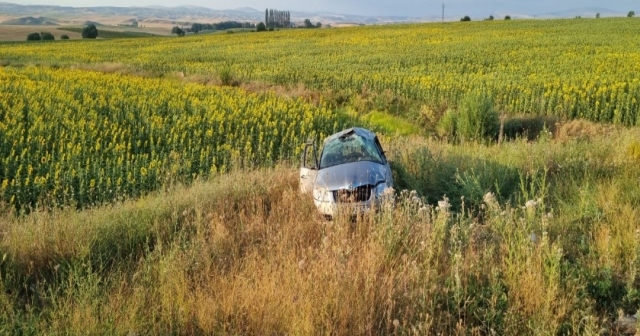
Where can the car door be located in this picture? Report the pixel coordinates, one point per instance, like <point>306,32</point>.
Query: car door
<point>308,168</point>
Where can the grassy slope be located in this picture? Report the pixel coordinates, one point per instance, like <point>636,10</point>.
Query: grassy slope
<point>19,33</point>
<point>245,254</point>
<point>110,34</point>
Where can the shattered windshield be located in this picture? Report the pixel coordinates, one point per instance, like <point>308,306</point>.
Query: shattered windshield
<point>349,148</point>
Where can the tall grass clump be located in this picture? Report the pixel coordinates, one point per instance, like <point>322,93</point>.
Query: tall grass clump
<point>475,119</point>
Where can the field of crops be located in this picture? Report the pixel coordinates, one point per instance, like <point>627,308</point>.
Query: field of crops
<point>574,68</point>
<point>73,136</point>
<point>532,234</point>
<point>78,137</point>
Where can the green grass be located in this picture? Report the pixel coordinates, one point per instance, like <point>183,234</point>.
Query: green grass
<point>390,125</point>
<point>224,31</point>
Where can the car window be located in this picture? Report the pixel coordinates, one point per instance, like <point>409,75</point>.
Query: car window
<point>347,149</point>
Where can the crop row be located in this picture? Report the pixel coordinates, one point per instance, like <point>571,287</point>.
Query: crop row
<point>78,137</point>
<point>574,68</point>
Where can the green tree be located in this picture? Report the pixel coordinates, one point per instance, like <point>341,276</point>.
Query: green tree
<point>597,15</point>
<point>490,18</point>
<point>631,14</point>
<point>46,36</point>
<point>90,31</point>
<point>261,27</point>
<point>507,17</point>
<point>319,25</point>
<point>308,24</point>
<point>466,18</point>
<point>64,37</point>
<point>177,30</point>
<point>34,37</point>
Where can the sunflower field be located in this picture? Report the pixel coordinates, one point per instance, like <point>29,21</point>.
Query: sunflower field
<point>80,137</point>
<point>75,131</point>
<point>572,68</point>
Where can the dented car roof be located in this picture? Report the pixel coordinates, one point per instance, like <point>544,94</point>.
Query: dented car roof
<point>354,130</point>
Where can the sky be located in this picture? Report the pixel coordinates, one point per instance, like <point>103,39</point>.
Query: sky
<point>414,8</point>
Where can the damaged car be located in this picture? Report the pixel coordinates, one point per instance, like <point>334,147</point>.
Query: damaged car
<point>351,173</point>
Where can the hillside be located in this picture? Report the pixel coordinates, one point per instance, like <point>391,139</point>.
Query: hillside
<point>185,13</point>
<point>105,33</point>
<point>31,21</point>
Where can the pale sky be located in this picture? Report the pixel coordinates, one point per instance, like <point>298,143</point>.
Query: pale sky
<point>371,7</point>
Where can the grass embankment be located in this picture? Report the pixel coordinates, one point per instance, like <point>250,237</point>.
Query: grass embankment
<point>554,251</point>
<point>111,34</point>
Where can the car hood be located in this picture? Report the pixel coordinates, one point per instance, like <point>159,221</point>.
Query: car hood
<point>351,175</point>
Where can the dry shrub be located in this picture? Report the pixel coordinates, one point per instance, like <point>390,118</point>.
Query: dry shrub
<point>581,130</point>
<point>430,114</point>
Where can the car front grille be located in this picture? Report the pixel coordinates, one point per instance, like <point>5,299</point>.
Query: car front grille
<point>359,194</point>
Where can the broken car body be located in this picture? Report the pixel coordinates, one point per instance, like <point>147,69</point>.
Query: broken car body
<point>351,173</point>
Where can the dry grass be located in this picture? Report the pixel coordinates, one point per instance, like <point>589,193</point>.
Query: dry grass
<point>247,255</point>
<point>582,130</point>
<point>149,25</point>
<point>19,33</point>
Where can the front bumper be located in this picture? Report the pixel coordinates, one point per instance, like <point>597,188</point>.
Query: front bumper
<point>331,208</point>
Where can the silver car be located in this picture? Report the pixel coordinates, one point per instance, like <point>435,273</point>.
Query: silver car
<point>351,174</point>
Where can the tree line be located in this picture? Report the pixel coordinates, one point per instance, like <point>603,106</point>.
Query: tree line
<point>89,31</point>
<point>274,18</point>
<point>196,27</point>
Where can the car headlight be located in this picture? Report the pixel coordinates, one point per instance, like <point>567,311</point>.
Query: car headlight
<point>321,195</point>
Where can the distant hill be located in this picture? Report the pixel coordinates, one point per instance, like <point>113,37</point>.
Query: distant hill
<point>584,12</point>
<point>31,21</point>
<point>191,14</point>
<point>93,23</point>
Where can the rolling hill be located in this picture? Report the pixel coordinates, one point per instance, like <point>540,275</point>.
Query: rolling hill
<point>31,21</point>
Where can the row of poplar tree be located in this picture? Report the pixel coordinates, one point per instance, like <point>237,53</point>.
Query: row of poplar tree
<point>274,18</point>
